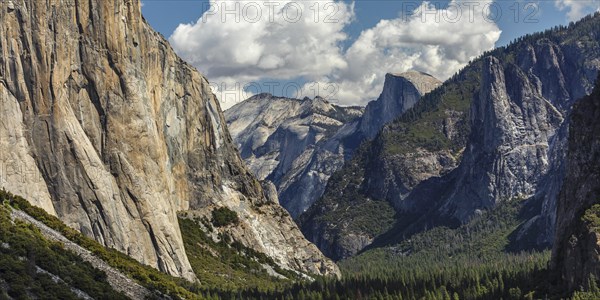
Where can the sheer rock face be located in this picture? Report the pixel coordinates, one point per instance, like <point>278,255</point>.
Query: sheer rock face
<point>512,124</point>
<point>576,252</point>
<point>104,126</point>
<point>516,147</point>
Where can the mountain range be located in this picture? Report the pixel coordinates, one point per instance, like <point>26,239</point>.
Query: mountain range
<point>495,131</point>
<point>299,144</point>
<point>121,177</point>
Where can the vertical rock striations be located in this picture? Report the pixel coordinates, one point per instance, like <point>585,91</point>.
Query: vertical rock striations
<point>104,126</point>
<point>576,251</point>
<point>517,131</point>
<point>507,155</point>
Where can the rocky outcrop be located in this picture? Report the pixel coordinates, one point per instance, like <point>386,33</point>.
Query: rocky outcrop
<point>575,255</point>
<point>512,124</point>
<point>105,127</point>
<point>299,144</point>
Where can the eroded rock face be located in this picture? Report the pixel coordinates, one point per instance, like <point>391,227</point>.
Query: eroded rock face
<point>516,146</point>
<point>508,152</point>
<point>575,254</point>
<point>104,126</point>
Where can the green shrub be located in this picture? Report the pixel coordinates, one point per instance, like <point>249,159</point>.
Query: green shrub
<point>592,217</point>
<point>24,249</point>
<point>224,216</point>
<point>145,275</point>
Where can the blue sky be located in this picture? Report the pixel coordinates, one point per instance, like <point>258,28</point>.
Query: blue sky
<point>225,55</point>
<point>166,15</point>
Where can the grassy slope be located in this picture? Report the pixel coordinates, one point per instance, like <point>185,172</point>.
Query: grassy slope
<point>24,249</point>
<point>224,269</point>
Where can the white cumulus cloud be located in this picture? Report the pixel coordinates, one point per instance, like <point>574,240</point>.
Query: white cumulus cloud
<point>265,38</point>
<point>577,9</point>
<point>432,40</point>
<point>283,45</point>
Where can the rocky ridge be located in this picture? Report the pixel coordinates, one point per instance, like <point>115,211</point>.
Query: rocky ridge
<point>495,131</point>
<point>106,128</point>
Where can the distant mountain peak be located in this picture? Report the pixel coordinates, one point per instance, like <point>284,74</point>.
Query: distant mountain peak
<point>281,138</point>
<point>260,96</point>
<point>400,93</point>
<point>422,81</point>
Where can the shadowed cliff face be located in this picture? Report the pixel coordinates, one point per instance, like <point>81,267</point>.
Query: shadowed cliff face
<point>400,93</point>
<point>104,126</point>
<point>576,249</point>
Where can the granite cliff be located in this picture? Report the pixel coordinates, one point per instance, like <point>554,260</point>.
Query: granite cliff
<point>400,93</point>
<point>105,127</point>
<point>282,139</point>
